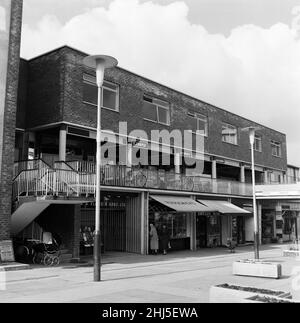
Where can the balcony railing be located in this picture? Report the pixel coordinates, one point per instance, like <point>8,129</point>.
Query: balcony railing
<point>70,182</point>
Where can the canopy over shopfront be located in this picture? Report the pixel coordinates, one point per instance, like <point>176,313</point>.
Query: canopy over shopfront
<point>223,207</point>
<point>182,204</point>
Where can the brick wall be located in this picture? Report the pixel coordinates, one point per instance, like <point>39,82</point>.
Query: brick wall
<point>7,134</point>
<point>55,91</point>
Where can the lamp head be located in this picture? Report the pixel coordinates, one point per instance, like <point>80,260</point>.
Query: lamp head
<point>251,131</point>
<point>100,63</point>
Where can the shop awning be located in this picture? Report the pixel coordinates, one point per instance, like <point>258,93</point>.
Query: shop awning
<point>182,204</point>
<point>223,206</point>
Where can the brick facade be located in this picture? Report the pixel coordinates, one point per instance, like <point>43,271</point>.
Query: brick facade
<point>55,90</point>
<point>7,133</point>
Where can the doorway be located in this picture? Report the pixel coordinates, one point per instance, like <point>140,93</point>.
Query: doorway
<point>201,231</point>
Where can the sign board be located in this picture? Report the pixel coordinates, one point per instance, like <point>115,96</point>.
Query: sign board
<point>6,251</point>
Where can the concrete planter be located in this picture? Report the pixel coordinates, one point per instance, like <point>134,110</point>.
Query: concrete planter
<point>257,268</point>
<point>291,253</point>
<point>241,294</point>
<point>269,299</point>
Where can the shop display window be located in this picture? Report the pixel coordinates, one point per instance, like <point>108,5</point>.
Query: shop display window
<point>175,222</point>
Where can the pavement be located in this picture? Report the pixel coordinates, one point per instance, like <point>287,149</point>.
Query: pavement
<point>178,277</point>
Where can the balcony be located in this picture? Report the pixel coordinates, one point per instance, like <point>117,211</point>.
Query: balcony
<point>78,179</point>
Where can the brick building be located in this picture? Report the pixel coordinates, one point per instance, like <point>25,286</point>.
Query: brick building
<point>10,33</point>
<point>54,171</point>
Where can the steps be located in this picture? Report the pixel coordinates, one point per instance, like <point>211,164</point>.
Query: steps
<point>65,256</point>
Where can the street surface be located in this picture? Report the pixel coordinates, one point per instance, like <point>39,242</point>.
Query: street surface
<point>179,277</point>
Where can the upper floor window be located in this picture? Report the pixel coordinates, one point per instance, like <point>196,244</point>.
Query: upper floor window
<point>257,143</point>
<point>276,148</point>
<point>110,93</point>
<point>156,110</point>
<point>200,122</point>
<point>229,133</point>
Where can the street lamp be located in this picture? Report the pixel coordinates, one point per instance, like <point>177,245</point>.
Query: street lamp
<point>256,233</point>
<point>99,63</point>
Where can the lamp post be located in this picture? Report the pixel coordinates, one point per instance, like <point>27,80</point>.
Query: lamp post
<point>99,63</point>
<point>256,234</point>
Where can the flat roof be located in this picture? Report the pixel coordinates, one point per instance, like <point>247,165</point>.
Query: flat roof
<point>149,80</point>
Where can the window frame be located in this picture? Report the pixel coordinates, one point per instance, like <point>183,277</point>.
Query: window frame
<point>157,106</point>
<point>200,117</point>
<point>117,91</point>
<point>228,125</point>
<point>254,146</point>
<point>277,144</point>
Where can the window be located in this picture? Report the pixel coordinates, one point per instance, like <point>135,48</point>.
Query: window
<point>110,93</point>
<point>229,134</point>
<point>200,122</point>
<point>156,110</point>
<point>276,148</point>
<point>257,143</point>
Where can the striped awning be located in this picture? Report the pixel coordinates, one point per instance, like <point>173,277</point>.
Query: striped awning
<point>182,204</point>
<point>223,207</point>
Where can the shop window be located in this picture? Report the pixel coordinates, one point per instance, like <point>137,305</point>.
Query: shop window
<point>229,134</point>
<point>110,93</point>
<point>156,110</point>
<point>276,148</point>
<point>176,223</point>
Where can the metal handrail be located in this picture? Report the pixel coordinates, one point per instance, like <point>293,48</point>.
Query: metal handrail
<point>70,182</point>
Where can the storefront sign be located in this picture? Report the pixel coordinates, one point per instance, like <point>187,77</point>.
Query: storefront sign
<point>6,251</point>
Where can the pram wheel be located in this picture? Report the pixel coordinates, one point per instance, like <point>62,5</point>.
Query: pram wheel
<point>55,261</point>
<point>48,260</point>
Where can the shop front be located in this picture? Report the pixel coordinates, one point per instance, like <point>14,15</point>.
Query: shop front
<point>226,221</point>
<point>179,216</point>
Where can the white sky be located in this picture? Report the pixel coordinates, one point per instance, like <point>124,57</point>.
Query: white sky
<point>241,55</point>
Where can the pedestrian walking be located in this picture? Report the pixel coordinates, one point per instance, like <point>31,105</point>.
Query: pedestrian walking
<point>164,237</point>
<point>153,239</point>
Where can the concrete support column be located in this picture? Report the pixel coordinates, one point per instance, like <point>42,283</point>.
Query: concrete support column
<point>213,169</point>
<point>129,155</point>
<point>177,162</point>
<point>76,240</point>
<point>62,143</point>
<point>242,173</point>
<point>283,178</point>
<point>278,215</point>
<point>145,223</point>
<point>259,216</point>
<point>266,179</point>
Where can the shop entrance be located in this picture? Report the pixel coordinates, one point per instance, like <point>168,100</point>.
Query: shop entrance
<point>113,225</point>
<point>208,230</point>
<point>201,231</point>
<point>238,229</point>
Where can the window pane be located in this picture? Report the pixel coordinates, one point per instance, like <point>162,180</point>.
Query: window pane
<point>110,86</point>
<point>149,111</point>
<point>109,99</point>
<point>163,115</point>
<point>202,125</point>
<point>229,134</point>
<point>90,93</point>
<point>159,102</point>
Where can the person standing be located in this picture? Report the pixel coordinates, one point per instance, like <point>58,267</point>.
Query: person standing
<point>164,238</point>
<point>153,239</point>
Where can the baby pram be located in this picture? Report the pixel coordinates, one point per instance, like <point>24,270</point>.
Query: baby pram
<point>46,252</point>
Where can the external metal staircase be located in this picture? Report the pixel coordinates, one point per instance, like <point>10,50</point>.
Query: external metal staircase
<point>38,185</point>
